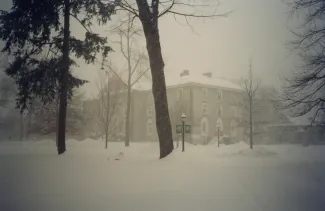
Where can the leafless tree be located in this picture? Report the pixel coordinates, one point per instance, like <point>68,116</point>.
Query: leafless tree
<point>108,101</point>
<point>149,12</point>
<point>304,92</point>
<point>251,87</point>
<point>137,63</point>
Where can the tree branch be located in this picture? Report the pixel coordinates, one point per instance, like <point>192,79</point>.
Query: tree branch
<point>137,63</point>
<point>197,16</point>
<point>114,72</point>
<point>81,23</point>
<point>174,3</point>
<point>138,78</point>
<point>126,6</point>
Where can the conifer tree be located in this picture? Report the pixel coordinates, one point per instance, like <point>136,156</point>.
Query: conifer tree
<point>37,35</point>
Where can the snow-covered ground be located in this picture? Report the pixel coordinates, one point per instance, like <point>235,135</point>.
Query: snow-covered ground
<point>230,178</point>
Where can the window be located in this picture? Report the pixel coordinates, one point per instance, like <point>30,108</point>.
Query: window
<point>204,126</point>
<point>204,108</point>
<point>220,110</point>
<point>204,92</point>
<point>149,127</point>
<point>179,94</point>
<point>149,111</point>
<point>219,95</point>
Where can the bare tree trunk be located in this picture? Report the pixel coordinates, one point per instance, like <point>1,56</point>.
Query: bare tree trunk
<point>106,136</point>
<point>106,139</point>
<point>158,88</point>
<point>57,105</point>
<point>127,122</point>
<point>251,122</point>
<point>30,113</point>
<point>107,120</point>
<point>64,80</point>
<point>251,89</point>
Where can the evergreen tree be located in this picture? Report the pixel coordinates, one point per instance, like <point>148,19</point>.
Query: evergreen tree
<point>37,34</point>
<point>45,116</point>
<point>75,116</point>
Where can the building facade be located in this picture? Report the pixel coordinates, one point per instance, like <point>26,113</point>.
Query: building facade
<point>207,102</point>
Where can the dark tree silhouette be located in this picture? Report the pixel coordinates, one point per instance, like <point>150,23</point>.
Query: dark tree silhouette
<point>41,44</point>
<point>304,92</point>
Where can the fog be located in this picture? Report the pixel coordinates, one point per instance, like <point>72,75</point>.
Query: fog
<point>234,147</point>
<point>256,29</point>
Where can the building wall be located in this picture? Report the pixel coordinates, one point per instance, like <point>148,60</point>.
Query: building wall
<point>188,99</point>
<point>143,117</point>
<point>209,96</point>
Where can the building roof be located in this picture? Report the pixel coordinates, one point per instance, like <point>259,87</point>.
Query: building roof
<point>197,79</point>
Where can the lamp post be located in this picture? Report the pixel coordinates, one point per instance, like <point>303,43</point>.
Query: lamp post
<point>183,118</point>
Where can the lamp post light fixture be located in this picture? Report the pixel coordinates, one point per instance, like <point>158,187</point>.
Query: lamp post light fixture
<point>183,118</point>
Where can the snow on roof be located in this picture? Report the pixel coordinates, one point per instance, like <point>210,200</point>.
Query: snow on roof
<point>197,79</point>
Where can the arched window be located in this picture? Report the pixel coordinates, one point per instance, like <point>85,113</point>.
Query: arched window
<point>149,127</point>
<point>204,109</point>
<point>149,111</point>
<point>204,126</point>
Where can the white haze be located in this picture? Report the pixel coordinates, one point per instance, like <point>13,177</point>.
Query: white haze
<point>256,29</point>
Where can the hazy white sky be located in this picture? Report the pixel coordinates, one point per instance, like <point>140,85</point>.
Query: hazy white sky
<point>256,28</point>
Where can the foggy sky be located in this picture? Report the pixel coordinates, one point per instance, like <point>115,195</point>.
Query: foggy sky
<point>256,29</point>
